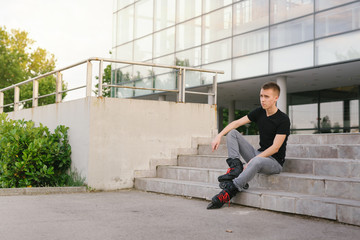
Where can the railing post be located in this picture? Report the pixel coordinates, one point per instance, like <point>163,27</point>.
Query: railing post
<point>179,76</point>
<point>183,85</point>
<point>88,79</point>
<point>1,102</point>
<point>16,98</point>
<point>35,99</point>
<point>101,67</point>
<point>214,88</point>
<point>58,94</point>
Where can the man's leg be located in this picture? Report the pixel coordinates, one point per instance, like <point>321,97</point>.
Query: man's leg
<point>238,146</point>
<point>266,165</point>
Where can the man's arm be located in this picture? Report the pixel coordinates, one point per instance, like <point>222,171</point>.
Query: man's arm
<point>274,148</point>
<point>233,125</point>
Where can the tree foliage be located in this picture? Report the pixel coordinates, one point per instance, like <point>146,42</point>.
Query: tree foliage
<point>19,61</point>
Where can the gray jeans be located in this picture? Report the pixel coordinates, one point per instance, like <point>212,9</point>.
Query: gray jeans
<point>238,146</point>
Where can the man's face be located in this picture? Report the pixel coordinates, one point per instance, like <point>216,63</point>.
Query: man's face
<point>268,98</point>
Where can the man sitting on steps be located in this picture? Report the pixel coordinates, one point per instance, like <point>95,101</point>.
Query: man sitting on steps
<point>274,129</point>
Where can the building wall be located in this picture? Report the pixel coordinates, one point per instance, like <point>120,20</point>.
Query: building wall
<point>248,38</point>
<point>112,139</point>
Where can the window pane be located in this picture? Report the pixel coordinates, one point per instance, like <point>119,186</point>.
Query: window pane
<point>143,49</point>
<point>207,78</point>
<point>249,66</point>
<point>290,58</point>
<point>251,42</point>
<point>329,50</point>
<point>210,5</point>
<point>303,116</point>
<point>164,42</point>
<point>250,15</point>
<point>167,60</point>
<point>216,51</point>
<point>187,9</point>
<point>189,58</point>
<point>166,81</point>
<point>143,18</point>
<point>188,34</point>
<point>124,52</point>
<point>125,25</point>
<point>354,113</point>
<point>164,14</point>
<point>338,20</point>
<point>324,4</point>
<point>217,25</point>
<point>331,114</point>
<point>282,10</point>
<point>288,33</point>
<point>144,83</point>
<point>123,3</point>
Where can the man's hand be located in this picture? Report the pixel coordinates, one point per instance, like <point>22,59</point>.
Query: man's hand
<point>215,143</point>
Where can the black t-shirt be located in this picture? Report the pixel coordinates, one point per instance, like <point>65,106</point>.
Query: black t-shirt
<point>278,123</point>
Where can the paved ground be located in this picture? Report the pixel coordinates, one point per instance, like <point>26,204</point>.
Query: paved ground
<point>132,214</point>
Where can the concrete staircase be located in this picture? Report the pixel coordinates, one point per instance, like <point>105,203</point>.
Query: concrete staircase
<point>321,178</point>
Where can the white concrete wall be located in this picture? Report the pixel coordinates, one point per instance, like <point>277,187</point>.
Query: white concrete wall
<point>112,138</point>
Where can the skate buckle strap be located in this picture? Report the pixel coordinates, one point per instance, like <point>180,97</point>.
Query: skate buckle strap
<point>224,198</point>
<point>229,170</point>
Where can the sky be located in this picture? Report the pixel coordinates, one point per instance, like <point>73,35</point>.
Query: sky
<point>72,30</point>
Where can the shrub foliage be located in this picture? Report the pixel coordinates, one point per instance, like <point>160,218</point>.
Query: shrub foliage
<point>32,156</point>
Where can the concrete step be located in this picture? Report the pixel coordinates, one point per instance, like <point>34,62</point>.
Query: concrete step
<point>345,211</point>
<point>325,186</point>
<point>346,168</point>
<point>341,138</point>
<point>347,151</point>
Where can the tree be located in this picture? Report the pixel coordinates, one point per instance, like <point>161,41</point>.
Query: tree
<point>106,80</point>
<point>19,62</point>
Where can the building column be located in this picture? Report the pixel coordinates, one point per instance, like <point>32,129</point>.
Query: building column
<point>282,101</point>
<point>231,111</point>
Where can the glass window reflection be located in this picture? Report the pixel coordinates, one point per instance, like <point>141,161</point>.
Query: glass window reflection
<point>143,18</point>
<point>333,49</point>
<point>282,10</point>
<point>188,34</point>
<point>250,15</point>
<point>217,25</point>
<point>251,42</point>
<point>292,32</point>
<point>124,52</point>
<point>143,49</point>
<point>187,9</point>
<point>125,25</point>
<point>189,58</point>
<point>216,51</point>
<point>338,20</point>
<point>249,66</point>
<point>324,4</point>
<point>164,42</point>
<point>164,14</point>
<point>294,57</point>
<point>210,5</point>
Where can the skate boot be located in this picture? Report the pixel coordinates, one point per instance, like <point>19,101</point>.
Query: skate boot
<point>223,197</point>
<point>235,168</point>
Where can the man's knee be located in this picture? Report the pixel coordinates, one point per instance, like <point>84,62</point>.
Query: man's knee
<point>232,134</point>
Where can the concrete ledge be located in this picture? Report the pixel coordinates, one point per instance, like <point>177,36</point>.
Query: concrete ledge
<point>40,190</point>
<point>341,210</point>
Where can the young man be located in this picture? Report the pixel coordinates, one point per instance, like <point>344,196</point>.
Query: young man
<point>274,129</point>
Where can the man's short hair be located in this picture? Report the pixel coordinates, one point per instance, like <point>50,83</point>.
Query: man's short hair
<point>273,86</point>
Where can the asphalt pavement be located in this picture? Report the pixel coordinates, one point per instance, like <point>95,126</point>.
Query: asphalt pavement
<point>132,214</point>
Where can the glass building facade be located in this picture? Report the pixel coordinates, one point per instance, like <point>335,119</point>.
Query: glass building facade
<point>249,40</point>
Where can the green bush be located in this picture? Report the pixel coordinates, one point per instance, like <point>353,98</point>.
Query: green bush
<point>32,156</point>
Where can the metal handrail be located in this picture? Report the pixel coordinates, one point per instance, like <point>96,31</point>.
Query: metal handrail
<point>181,71</point>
